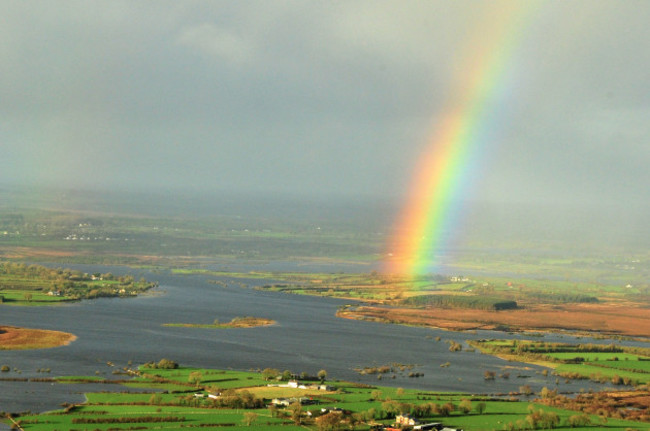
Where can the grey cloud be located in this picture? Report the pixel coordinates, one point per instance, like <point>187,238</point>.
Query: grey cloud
<point>311,97</point>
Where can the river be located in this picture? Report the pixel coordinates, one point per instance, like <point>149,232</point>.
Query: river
<point>308,337</point>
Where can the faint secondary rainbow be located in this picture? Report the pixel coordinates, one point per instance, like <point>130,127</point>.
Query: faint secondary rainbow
<point>469,119</point>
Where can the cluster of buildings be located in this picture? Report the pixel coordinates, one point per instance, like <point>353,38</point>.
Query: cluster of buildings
<point>295,384</point>
<point>286,402</point>
<point>208,395</point>
<point>408,422</point>
<point>458,279</point>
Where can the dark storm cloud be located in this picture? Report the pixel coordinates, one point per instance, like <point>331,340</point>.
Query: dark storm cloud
<point>315,97</point>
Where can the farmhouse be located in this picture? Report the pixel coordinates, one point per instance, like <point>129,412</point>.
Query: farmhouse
<point>458,278</point>
<point>286,402</point>
<point>295,384</point>
<point>429,426</point>
<point>401,426</point>
<point>406,420</point>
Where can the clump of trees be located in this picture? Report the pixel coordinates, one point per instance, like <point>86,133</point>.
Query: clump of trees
<point>604,404</point>
<point>286,375</point>
<point>476,302</point>
<point>536,419</point>
<point>465,406</point>
<point>270,373</point>
<point>385,369</point>
<point>562,298</point>
<point>195,377</point>
<point>329,421</point>
<point>249,418</point>
<point>163,364</point>
<point>233,399</point>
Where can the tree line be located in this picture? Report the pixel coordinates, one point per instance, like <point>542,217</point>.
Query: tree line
<point>460,301</point>
<point>562,298</point>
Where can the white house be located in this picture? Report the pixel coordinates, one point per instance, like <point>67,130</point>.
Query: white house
<point>406,420</point>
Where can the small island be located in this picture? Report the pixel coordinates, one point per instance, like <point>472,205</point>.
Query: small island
<point>237,322</point>
<point>13,338</point>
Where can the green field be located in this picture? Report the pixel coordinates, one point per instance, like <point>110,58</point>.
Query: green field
<point>17,297</point>
<point>595,356</point>
<point>22,284</point>
<point>639,366</point>
<point>602,373</point>
<point>177,400</point>
<point>619,365</point>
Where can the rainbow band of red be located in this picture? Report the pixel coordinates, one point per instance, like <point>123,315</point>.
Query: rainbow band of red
<point>427,221</point>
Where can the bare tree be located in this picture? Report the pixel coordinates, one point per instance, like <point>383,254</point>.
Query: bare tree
<point>249,418</point>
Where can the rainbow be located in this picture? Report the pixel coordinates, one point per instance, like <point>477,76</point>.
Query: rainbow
<point>468,121</point>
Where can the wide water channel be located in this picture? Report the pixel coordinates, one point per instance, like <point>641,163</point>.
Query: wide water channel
<point>308,337</point>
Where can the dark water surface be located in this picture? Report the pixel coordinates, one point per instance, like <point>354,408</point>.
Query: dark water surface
<point>308,337</point>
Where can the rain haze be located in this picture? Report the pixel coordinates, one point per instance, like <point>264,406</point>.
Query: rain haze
<point>322,98</point>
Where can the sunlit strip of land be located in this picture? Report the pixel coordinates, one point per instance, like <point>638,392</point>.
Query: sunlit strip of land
<point>237,322</point>
<point>12,338</point>
<point>469,303</point>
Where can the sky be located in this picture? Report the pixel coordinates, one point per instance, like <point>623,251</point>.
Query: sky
<point>319,98</point>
